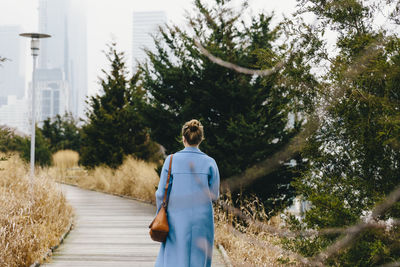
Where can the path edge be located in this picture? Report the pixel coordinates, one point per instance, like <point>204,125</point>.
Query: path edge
<point>48,254</point>
<point>224,255</point>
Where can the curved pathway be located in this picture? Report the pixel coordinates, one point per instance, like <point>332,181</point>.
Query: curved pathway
<point>108,231</point>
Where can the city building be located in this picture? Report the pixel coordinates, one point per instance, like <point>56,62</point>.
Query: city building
<point>3,100</point>
<point>52,93</point>
<point>145,26</point>
<point>16,114</point>
<point>12,71</point>
<point>66,50</point>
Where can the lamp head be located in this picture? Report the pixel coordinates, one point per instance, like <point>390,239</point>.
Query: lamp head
<point>35,41</point>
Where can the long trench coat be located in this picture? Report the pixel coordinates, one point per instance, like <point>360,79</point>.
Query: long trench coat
<point>194,184</point>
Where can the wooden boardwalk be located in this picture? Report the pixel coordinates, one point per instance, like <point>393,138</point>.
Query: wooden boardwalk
<point>108,231</point>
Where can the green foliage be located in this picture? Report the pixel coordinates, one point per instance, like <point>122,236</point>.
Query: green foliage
<point>62,132</point>
<point>9,141</point>
<point>114,127</point>
<point>342,15</point>
<point>304,245</point>
<point>245,117</point>
<point>353,159</point>
<point>42,149</point>
<point>376,246</point>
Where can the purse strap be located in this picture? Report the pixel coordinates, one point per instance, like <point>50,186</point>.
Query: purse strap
<point>165,201</point>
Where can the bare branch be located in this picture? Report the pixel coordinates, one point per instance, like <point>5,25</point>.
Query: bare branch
<point>235,67</point>
<point>2,59</point>
<point>393,264</point>
<point>356,230</point>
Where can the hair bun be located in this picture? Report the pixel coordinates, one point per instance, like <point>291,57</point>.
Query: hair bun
<point>193,132</point>
<point>194,125</point>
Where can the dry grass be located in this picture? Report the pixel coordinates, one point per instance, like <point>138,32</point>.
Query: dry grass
<point>32,219</point>
<point>134,178</point>
<point>65,159</point>
<point>245,244</point>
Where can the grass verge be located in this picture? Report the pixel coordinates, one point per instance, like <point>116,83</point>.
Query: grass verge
<point>32,216</point>
<point>134,178</point>
<point>246,244</point>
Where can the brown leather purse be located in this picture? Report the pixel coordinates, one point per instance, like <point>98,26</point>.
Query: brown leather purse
<point>159,227</point>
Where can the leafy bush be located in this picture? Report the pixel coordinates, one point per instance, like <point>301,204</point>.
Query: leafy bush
<point>9,140</point>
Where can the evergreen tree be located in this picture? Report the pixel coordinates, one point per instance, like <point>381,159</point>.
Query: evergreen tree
<point>245,117</point>
<point>62,132</point>
<point>114,127</point>
<point>354,160</point>
<point>42,149</point>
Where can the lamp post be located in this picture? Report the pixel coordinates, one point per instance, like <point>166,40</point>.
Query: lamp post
<point>35,37</point>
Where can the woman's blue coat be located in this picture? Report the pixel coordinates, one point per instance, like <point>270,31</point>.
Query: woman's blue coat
<point>195,184</point>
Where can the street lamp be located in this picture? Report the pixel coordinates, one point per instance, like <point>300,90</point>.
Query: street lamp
<point>35,37</point>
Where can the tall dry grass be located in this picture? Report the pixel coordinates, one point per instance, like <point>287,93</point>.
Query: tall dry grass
<point>134,178</point>
<point>244,243</point>
<point>65,159</point>
<point>32,218</point>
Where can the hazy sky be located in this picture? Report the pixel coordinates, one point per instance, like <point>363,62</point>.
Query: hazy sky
<point>112,20</point>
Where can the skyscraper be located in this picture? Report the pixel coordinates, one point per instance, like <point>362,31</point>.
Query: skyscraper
<point>145,24</point>
<point>66,51</point>
<point>12,71</point>
<point>52,93</point>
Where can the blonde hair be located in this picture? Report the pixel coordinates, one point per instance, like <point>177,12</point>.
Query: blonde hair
<point>193,132</point>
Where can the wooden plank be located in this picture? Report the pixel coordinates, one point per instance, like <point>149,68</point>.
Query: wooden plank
<point>109,231</point>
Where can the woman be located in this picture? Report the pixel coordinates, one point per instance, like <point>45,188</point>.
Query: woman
<point>194,185</point>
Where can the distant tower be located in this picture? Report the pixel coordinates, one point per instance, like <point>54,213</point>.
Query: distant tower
<point>12,71</point>
<point>53,93</point>
<point>66,51</point>
<point>145,24</point>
